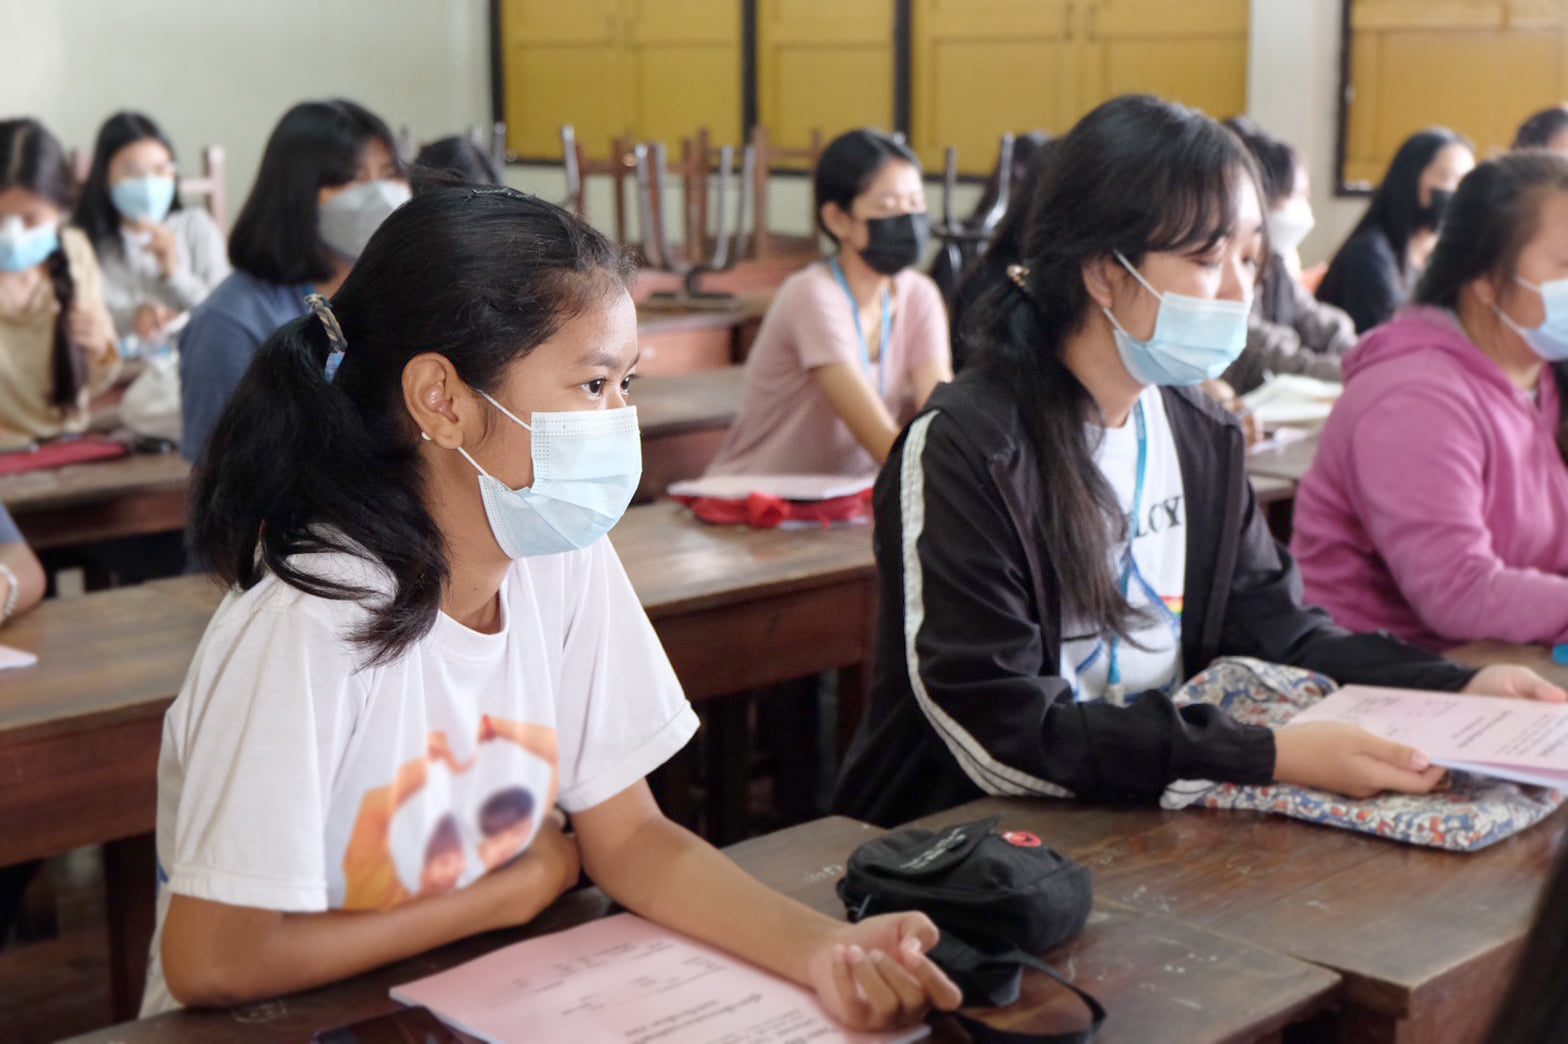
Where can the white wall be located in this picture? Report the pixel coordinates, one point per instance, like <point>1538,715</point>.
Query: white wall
<point>223,71</point>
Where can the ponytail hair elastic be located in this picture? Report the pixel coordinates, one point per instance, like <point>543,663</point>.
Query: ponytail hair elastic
<point>322,310</point>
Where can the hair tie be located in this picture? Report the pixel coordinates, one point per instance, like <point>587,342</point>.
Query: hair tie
<point>322,310</point>
<point>1019,274</point>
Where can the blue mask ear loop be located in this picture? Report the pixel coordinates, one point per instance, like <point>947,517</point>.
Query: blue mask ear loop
<point>860,334</point>
<point>1114,674</point>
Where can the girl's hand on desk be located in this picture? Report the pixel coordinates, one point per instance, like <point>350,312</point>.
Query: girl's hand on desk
<point>1515,682</point>
<point>1349,760</point>
<point>876,975</point>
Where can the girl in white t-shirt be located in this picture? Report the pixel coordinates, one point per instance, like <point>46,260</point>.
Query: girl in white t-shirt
<point>429,645</point>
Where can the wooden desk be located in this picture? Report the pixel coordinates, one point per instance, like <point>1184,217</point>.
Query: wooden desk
<point>1162,981</point>
<point>683,341</point>
<point>1424,939</point>
<point>84,503</point>
<point>684,421</point>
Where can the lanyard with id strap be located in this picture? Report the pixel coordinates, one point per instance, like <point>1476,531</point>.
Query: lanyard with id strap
<point>860,333</point>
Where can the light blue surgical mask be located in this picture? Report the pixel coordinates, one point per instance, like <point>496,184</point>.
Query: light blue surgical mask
<point>21,247</point>
<point>1550,339</point>
<point>1195,338</point>
<point>587,464</point>
<point>143,199</point>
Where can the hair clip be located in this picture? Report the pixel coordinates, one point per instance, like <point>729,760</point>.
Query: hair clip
<point>1019,274</point>
<point>322,309</point>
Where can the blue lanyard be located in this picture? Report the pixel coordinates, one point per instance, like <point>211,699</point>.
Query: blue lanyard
<point>1114,675</point>
<point>887,326</point>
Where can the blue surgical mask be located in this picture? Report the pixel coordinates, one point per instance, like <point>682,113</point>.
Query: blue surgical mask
<point>1195,338</point>
<point>22,248</point>
<point>587,464</point>
<point>143,199</point>
<point>1550,339</point>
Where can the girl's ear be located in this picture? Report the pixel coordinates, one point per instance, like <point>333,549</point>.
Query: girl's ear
<point>436,399</point>
<point>837,221</point>
<point>1100,280</point>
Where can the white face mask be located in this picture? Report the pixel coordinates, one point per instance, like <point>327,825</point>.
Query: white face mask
<point>1289,225</point>
<point>350,218</point>
<point>587,464</point>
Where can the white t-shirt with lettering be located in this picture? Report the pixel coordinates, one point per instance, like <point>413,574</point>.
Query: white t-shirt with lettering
<point>293,777</point>
<point>1157,581</point>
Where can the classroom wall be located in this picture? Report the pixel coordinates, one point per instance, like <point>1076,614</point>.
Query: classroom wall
<point>223,72</point>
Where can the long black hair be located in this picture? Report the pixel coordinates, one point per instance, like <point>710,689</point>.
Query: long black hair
<point>299,465</point>
<point>1137,175</point>
<point>1396,209</point>
<point>31,158</point>
<point>1535,1008</point>
<point>316,145</point>
<point>1492,217</point>
<point>849,165</point>
<point>1538,131</point>
<point>95,211</point>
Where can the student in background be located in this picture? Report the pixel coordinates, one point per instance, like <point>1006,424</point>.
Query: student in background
<point>852,346</point>
<point>159,259</point>
<point>1547,129</point>
<point>57,343</point>
<point>329,176</point>
<point>1066,533</point>
<point>449,160</point>
<point>398,566</point>
<point>1377,267</point>
<point>1025,148</point>
<point>989,271</point>
<point>1289,330</point>
<point>1435,506</point>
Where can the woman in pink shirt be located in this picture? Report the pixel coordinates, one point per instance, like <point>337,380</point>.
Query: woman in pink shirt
<point>1437,504</point>
<point>853,346</point>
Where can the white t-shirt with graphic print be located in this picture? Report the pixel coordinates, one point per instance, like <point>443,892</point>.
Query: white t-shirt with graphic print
<point>290,779</point>
<point>1159,555</point>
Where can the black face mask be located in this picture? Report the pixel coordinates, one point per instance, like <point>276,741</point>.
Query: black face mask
<point>1431,215</point>
<point>896,242</point>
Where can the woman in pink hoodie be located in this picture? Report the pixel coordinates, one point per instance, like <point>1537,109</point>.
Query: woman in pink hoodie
<point>1437,507</point>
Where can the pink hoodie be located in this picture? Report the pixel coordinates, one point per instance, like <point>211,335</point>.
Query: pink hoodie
<point>1437,506</point>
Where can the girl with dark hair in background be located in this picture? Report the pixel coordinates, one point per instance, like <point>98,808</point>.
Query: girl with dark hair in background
<point>408,496</point>
<point>1026,148</point>
<point>453,160</point>
<point>159,260</point>
<point>57,343</point>
<point>1377,267</point>
<point>329,176</point>
<point>1434,508</point>
<point>1066,533</point>
<point>1289,331</point>
<point>851,347</point>
<point>1547,129</point>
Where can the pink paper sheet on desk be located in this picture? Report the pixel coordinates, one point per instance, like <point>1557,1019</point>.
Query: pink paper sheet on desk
<point>1521,740</point>
<point>623,980</point>
<point>10,657</point>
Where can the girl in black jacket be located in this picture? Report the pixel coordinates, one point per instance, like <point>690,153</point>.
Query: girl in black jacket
<point>1025,645</point>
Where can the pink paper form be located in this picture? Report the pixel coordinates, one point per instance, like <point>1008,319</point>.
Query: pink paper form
<point>623,980</point>
<point>1523,740</point>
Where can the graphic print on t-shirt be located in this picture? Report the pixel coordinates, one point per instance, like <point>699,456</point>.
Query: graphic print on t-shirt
<point>446,818</point>
<point>1153,572</point>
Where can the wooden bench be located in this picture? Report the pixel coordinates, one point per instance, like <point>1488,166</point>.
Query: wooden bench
<point>1424,940</point>
<point>1161,980</point>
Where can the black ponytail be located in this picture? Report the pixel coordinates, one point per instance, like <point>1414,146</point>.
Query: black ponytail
<point>31,158</point>
<point>298,465</point>
<point>1137,175</point>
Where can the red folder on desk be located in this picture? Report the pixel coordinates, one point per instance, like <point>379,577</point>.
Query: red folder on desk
<point>62,452</point>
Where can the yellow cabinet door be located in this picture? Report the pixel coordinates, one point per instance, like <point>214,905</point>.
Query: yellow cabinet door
<point>564,63</point>
<point>982,68</point>
<point>823,65</point>
<point>1190,51</point>
<point>684,68</point>
<point>1479,68</point>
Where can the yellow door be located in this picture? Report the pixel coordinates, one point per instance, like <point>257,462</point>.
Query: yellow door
<point>684,66</point>
<point>982,68</point>
<point>823,65</point>
<point>1190,51</point>
<point>564,63</point>
<point>1479,68</point>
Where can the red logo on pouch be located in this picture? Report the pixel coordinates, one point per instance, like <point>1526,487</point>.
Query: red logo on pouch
<point>1021,838</point>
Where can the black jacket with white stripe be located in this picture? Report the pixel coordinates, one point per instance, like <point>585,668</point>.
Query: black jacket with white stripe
<point>968,699</point>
